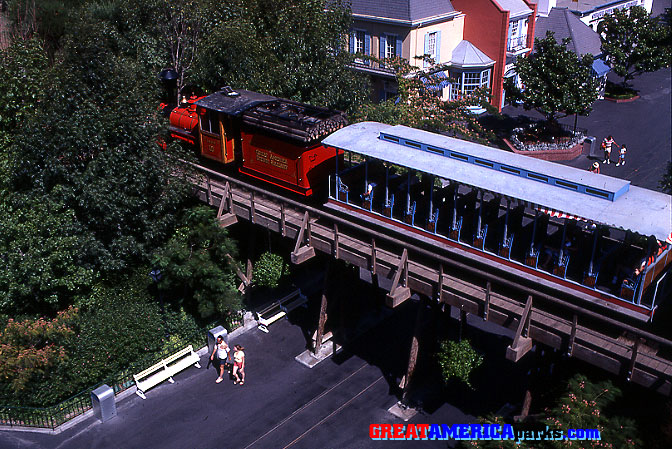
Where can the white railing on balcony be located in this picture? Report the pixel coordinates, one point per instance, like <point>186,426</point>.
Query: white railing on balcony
<point>516,43</point>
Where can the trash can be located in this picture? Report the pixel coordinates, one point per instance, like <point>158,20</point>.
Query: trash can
<point>212,337</point>
<point>590,147</point>
<point>102,400</point>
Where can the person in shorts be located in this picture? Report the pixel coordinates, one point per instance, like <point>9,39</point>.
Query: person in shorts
<point>239,365</point>
<point>222,352</point>
<point>606,146</point>
<point>621,156</point>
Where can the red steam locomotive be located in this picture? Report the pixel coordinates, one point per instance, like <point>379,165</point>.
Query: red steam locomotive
<point>269,138</point>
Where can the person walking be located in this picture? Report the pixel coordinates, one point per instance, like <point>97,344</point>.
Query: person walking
<point>222,351</point>
<point>621,156</point>
<point>606,146</point>
<point>239,365</point>
<point>595,168</point>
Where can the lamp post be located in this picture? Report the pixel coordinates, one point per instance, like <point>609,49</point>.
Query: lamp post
<point>156,276</point>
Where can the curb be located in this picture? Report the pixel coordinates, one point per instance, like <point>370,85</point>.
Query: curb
<point>622,100</point>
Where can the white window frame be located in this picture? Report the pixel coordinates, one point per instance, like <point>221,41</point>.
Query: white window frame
<point>390,46</point>
<point>431,45</point>
<point>359,41</point>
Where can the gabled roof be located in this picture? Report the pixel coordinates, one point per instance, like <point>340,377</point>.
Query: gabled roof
<point>401,10</point>
<point>564,24</point>
<point>467,54</point>
<point>516,8</point>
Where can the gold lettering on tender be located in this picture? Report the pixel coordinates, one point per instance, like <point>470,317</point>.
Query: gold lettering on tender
<point>266,157</point>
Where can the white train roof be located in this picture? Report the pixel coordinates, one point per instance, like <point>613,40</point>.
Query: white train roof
<point>599,198</point>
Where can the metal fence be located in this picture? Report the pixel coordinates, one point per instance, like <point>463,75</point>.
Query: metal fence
<point>54,416</point>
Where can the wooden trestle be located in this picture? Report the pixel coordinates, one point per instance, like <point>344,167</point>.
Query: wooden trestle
<point>533,315</point>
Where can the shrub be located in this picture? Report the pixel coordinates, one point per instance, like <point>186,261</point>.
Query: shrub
<point>268,270</point>
<point>458,359</point>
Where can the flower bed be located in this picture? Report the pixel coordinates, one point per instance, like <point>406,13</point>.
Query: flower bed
<point>559,144</point>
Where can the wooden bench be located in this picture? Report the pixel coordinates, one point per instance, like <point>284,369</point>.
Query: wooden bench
<point>165,370</point>
<point>278,309</point>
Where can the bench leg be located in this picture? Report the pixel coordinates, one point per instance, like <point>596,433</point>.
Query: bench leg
<point>197,365</point>
<point>170,379</point>
<point>263,328</point>
<point>141,394</point>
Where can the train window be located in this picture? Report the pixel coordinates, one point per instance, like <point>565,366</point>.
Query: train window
<point>412,144</point>
<point>390,138</point>
<point>537,177</point>
<point>209,122</point>
<point>483,163</point>
<point>434,150</point>
<point>459,156</point>
<point>506,169</point>
<point>566,185</point>
<point>597,193</point>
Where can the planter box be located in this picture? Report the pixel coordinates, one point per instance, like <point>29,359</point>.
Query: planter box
<point>564,154</point>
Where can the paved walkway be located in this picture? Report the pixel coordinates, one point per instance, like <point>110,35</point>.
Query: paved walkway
<point>643,125</point>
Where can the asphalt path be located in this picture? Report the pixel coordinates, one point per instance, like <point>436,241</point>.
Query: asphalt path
<point>644,125</point>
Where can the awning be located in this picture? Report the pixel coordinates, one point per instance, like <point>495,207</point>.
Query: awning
<point>438,81</point>
<point>559,214</point>
<point>600,68</point>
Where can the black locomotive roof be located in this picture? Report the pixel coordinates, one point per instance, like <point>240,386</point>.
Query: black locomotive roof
<point>233,102</point>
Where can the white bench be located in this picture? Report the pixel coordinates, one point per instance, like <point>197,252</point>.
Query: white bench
<point>278,309</point>
<point>165,370</point>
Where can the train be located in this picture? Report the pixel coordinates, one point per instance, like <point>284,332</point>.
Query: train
<point>591,236</point>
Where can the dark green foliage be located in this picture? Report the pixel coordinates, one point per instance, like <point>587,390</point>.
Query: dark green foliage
<point>289,49</point>
<point>268,270</point>
<point>555,80</point>
<point>92,148</point>
<point>45,253</point>
<point>634,42</point>
<point>458,359</point>
<point>196,266</point>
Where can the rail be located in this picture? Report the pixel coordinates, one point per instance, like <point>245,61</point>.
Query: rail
<point>602,340</point>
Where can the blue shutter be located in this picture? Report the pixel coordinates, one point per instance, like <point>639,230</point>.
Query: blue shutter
<point>398,44</point>
<point>381,47</point>
<point>367,47</point>
<point>352,41</point>
<point>438,47</point>
<point>426,49</point>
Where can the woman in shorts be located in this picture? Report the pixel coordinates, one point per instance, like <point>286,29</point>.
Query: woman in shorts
<point>239,365</point>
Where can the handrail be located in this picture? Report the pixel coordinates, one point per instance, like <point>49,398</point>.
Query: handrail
<point>462,266</point>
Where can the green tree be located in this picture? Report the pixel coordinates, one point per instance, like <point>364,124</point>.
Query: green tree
<point>101,115</point>
<point>289,49</point>
<point>418,105</point>
<point>45,254</point>
<point>634,42</point>
<point>196,266</point>
<point>458,359</point>
<point>555,80</point>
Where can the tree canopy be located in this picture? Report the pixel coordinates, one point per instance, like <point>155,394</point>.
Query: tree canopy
<point>634,42</point>
<point>419,104</point>
<point>555,80</point>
